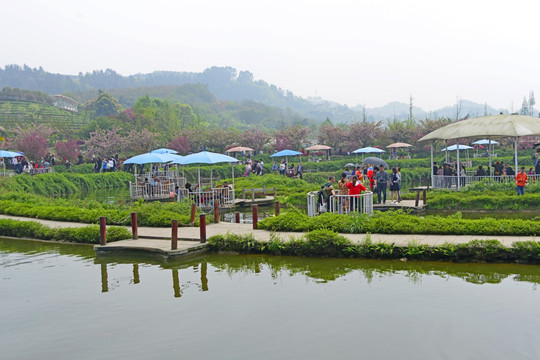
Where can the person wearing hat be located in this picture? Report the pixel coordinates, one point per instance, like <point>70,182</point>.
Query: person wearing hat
<point>521,181</point>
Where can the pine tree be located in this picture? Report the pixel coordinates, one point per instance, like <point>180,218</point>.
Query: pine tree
<point>532,102</point>
<point>524,107</point>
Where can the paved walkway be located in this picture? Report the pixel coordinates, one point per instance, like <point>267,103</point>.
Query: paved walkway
<point>159,238</point>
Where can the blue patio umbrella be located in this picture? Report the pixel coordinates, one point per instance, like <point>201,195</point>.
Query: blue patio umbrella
<point>8,154</point>
<point>454,148</point>
<point>286,153</point>
<point>368,149</point>
<point>147,158</point>
<point>485,142</point>
<point>206,157</point>
<point>164,151</point>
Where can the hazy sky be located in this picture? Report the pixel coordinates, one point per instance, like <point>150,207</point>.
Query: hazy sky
<point>353,52</point>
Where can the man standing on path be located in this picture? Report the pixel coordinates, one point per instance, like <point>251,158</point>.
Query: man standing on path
<point>521,181</point>
<point>382,180</point>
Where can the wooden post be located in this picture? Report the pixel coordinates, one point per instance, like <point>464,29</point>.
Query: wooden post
<point>417,198</point>
<point>243,193</point>
<point>237,217</point>
<point>253,195</point>
<point>255,216</point>
<point>193,213</point>
<point>276,208</point>
<point>102,231</point>
<point>424,197</point>
<point>412,184</point>
<point>174,235</point>
<point>134,229</point>
<point>216,212</point>
<point>202,225</point>
<point>275,191</point>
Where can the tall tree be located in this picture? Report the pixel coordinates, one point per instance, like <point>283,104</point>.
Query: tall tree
<point>532,102</point>
<point>524,107</point>
<point>32,140</point>
<point>104,105</point>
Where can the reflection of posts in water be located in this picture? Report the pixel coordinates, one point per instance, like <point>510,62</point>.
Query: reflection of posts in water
<point>136,278</point>
<point>176,283</point>
<point>104,280</point>
<point>204,279</point>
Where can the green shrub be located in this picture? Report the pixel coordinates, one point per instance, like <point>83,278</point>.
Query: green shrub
<point>35,230</point>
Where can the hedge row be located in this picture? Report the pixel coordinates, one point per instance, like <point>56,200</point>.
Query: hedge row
<point>330,244</point>
<point>35,230</point>
<point>400,222</point>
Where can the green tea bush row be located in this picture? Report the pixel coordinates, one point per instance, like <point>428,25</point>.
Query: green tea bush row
<point>35,230</point>
<point>327,243</point>
<point>148,213</point>
<point>399,222</point>
<point>67,183</point>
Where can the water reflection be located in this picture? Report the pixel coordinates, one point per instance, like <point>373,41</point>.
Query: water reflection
<point>326,270</point>
<point>205,267</point>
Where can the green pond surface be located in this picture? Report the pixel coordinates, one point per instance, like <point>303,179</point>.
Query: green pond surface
<point>59,302</point>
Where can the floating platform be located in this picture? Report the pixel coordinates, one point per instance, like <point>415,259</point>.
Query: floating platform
<point>267,200</point>
<point>404,204</point>
<point>152,247</point>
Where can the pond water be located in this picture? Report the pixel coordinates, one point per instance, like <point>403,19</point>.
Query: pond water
<point>59,302</point>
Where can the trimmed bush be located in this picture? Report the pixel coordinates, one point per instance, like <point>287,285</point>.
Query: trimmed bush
<point>35,230</point>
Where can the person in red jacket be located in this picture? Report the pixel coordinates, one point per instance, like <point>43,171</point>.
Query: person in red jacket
<point>355,189</point>
<point>521,181</point>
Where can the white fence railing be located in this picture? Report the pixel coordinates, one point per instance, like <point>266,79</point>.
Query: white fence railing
<point>224,197</point>
<point>451,182</point>
<point>152,191</point>
<point>339,204</point>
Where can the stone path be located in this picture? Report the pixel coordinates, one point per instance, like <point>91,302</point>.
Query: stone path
<point>159,238</point>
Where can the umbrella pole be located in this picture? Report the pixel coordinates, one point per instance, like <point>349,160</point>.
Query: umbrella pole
<point>458,168</point>
<point>211,175</point>
<point>446,150</point>
<point>489,154</point>
<point>199,172</point>
<point>515,154</point>
<point>431,150</point>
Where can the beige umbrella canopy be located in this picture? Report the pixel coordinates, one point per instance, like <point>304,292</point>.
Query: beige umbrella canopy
<point>239,149</point>
<point>495,126</point>
<point>398,145</point>
<point>318,147</point>
<point>321,148</point>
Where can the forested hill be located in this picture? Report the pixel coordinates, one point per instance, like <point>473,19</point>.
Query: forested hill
<point>225,83</point>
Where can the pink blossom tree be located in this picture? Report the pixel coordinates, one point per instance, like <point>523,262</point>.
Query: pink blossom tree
<point>292,137</point>
<point>68,149</point>
<point>137,142</point>
<point>33,141</point>
<point>255,139</point>
<point>105,142</point>
<point>181,144</point>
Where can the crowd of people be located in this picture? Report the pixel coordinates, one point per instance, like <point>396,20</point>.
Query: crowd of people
<point>356,181</point>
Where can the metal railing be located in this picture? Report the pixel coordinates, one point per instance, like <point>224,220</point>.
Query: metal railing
<point>152,191</point>
<point>451,182</point>
<point>224,197</point>
<point>340,204</point>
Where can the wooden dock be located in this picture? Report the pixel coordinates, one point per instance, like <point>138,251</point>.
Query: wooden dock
<point>404,204</point>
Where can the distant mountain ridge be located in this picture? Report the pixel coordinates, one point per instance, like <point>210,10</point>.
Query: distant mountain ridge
<point>224,83</point>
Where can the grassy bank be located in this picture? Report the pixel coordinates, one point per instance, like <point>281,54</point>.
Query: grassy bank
<point>148,213</point>
<point>35,230</point>
<point>65,183</point>
<point>327,243</point>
